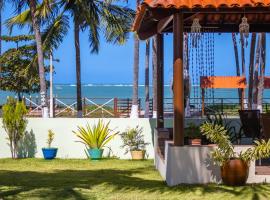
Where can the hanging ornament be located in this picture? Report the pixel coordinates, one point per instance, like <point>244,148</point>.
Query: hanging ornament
<point>196,27</point>
<point>244,27</point>
<point>196,31</point>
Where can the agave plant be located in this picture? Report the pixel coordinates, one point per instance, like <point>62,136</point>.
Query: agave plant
<point>97,136</point>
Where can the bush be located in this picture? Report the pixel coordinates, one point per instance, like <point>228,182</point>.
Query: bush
<point>14,123</point>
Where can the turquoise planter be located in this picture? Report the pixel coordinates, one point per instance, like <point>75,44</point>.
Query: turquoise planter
<point>95,154</point>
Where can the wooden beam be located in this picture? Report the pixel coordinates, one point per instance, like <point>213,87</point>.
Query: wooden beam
<point>160,81</point>
<point>162,24</point>
<point>203,102</point>
<point>178,79</point>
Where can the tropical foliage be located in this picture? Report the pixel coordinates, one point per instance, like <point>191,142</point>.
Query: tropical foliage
<point>133,139</point>
<point>107,18</point>
<point>221,119</point>
<point>97,136</point>
<point>192,131</point>
<point>14,123</point>
<point>18,71</point>
<point>225,149</point>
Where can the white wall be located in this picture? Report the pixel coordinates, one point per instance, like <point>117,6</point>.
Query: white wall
<point>66,141</point>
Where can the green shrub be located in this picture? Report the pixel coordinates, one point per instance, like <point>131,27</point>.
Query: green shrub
<point>14,123</point>
<point>133,139</point>
<point>225,149</point>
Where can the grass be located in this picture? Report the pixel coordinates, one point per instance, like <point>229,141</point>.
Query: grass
<point>106,179</point>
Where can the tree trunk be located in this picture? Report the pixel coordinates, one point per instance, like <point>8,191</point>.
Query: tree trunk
<point>78,67</point>
<point>262,72</point>
<point>147,52</point>
<point>1,6</point>
<point>237,65</point>
<point>154,71</point>
<point>256,73</point>
<point>251,69</point>
<point>36,28</point>
<point>243,54</point>
<point>134,108</point>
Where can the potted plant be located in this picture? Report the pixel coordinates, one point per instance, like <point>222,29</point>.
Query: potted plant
<point>95,138</point>
<point>49,152</point>
<point>193,134</point>
<point>234,166</point>
<point>134,143</point>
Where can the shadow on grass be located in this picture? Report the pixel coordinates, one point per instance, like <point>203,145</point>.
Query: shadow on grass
<point>66,183</point>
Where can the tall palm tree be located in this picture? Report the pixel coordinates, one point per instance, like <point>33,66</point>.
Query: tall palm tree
<point>35,16</point>
<point>36,27</point>
<point>1,7</point>
<point>256,72</point>
<point>147,52</point>
<point>154,77</point>
<point>251,69</point>
<point>262,72</point>
<point>134,108</point>
<point>96,17</point>
<point>237,65</point>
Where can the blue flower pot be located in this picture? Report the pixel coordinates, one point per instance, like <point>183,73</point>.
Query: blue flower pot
<point>95,154</point>
<point>49,153</point>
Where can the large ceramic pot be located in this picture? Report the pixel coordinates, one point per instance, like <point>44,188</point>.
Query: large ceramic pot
<point>95,154</point>
<point>49,153</point>
<point>195,141</point>
<point>137,155</point>
<point>234,172</point>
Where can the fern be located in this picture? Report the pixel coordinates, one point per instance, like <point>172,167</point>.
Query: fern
<point>225,151</point>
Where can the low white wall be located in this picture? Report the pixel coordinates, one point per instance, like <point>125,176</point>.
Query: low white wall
<point>193,165</point>
<point>65,139</point>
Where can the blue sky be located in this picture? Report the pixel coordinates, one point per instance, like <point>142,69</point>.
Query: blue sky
<point>114,64</point>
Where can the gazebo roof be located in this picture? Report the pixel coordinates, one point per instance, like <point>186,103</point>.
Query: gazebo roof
<point>178,4</point>
<point>154,16</point>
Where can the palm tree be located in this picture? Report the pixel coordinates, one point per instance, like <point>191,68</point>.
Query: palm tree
<point>95,17</point>
<point>256,72</point>
<point>251,69</point>
<point>134,108</point>
<point>262,72</point>
<point>154,77</point>
<point>33,16</point>
<point>36,27</point>
<point>237,65</point>
<point>1,7</point>
<point>147,52</point>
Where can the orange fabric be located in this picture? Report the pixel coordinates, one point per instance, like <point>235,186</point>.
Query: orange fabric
<point>204,3</point>
<point>223,82</point>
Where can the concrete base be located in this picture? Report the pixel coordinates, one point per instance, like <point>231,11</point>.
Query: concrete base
<point>193,165</point>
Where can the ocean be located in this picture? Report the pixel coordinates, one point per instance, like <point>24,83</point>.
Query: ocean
<point>67,92</point>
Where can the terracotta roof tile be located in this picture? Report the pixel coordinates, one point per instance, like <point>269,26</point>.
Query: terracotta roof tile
<point>204,3</point>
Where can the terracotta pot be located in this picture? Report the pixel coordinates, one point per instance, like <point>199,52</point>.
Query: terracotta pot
<point>235,172</point>
<point>137,155</point>
<point>195,141</point>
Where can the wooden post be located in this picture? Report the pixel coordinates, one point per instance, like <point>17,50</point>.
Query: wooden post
<point>178,80</point>
<point>84,107</point>
<point>160,81</point>
<point>203,102</point>
<point>115,106</point>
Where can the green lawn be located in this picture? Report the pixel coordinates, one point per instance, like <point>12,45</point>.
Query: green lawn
<point>106,179</point>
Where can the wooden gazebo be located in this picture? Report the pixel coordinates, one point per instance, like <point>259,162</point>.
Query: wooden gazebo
<point>155,17</point>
